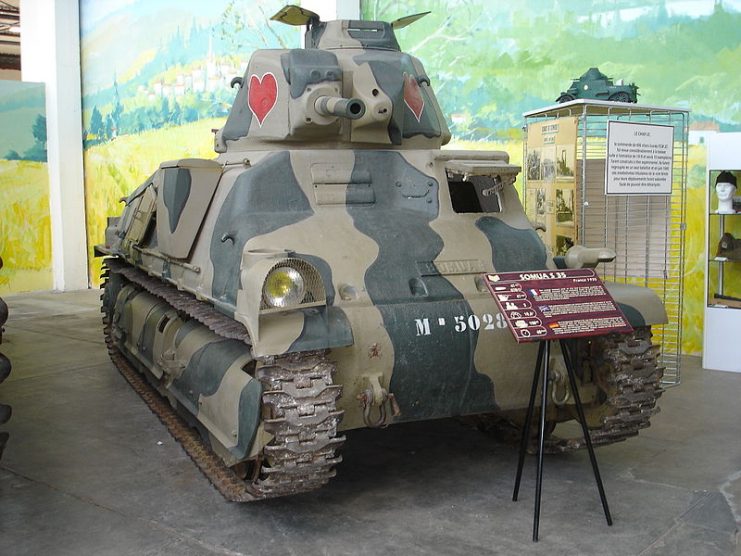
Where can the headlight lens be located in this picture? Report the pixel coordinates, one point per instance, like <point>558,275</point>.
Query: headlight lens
<point>284,287</point>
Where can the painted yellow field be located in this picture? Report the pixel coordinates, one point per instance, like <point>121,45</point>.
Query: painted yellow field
<point>25,227</point>
<point>115,169</point>
<point>693,305</point>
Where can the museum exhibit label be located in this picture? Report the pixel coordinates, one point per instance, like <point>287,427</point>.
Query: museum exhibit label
<point>556,304</point>
<point>639,159</point>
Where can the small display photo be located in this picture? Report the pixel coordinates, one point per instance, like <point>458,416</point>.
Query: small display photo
<point>533,164</point>
<point>565,163</point>
<point>565,206</point>
<point>536,201</point>
<point>563,244</point>
<point>548,164</point>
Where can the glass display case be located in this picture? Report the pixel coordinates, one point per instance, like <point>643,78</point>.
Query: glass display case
<point>565,170</point>
<point>722,330</point>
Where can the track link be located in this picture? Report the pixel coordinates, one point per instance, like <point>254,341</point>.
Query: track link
<point>299,402</point>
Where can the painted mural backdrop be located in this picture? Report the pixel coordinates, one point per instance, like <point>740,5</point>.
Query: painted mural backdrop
<point>155,81</point>
<point>25,225</point>
<point>492,61</point>
<point>156,77</point>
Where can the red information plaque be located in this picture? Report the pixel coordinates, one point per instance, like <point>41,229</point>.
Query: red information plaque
<point>556,304</point>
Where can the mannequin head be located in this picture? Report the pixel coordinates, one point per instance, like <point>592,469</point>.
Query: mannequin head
<point>725,189</point>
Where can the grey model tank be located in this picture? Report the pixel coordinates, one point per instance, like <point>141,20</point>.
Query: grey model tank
<point>593,84</point>
<point>324,273</point>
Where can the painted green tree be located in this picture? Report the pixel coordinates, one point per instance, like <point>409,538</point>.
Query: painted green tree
<point>491,61</point>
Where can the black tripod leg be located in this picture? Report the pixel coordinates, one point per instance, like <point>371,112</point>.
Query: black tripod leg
<point>528,419</point>
<point>585,431</point>
<point>541,439</point>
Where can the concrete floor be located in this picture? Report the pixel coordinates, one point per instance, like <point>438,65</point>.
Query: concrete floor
<point>89,470</point>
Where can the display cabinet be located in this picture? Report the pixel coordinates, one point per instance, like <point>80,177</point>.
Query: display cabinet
<point>722,330</point>
<point>565,172</point>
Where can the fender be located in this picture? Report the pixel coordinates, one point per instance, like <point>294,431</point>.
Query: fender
<point>641,306</point>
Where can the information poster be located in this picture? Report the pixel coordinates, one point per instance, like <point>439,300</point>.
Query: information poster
<point>556,304</point>
<point>550,192</point>
<point>639,159</point>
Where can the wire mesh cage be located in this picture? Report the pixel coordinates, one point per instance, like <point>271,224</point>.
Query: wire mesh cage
<point>645,231</point>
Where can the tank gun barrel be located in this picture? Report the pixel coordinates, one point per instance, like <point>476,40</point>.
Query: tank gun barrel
<point>351,108</point>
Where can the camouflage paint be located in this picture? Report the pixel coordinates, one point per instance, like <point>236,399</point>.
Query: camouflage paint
<point>389,70</point>
<point>373,34</point>
<point>202,378</point>
<point>240,117</point>
<point>427,383</point>
<point>632,314</point>
<point>175,192</point>
<point>204,369</point>
<point>264,198</point>
<point>309,67</point>
<point>323,327</point>
<point>512,249</point>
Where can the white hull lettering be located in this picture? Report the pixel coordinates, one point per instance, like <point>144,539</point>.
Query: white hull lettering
<point>461,323</point>
<point>423,327</point>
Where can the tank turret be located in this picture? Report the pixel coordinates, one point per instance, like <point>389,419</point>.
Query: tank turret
<point>351,85</point>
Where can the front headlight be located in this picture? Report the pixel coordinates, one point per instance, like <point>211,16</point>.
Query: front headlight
<point>283,287</point>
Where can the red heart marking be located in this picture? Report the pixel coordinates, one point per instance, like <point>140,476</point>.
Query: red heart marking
<point>413,96</point>
<point>261,95</point>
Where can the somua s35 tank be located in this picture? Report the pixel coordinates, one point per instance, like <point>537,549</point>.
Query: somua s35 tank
<point>323,274</point>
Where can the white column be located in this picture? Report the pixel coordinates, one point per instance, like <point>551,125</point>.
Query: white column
<point>333,9</point>
<point>50,53</point>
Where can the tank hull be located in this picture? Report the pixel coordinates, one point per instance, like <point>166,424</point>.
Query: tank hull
<point>404,313</point>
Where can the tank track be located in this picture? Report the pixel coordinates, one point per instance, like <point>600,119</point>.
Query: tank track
<point>299,402</point>
<point>626,371</point>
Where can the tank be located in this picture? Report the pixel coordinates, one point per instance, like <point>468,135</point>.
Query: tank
<point>596,85</point>
<point>324,273</point>
<point>5,367</point>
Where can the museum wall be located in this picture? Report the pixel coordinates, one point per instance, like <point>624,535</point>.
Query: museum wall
<point>25,226</point>
<point>155,77</point>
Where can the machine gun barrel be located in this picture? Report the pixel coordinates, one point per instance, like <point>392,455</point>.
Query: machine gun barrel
<point>351,108</point>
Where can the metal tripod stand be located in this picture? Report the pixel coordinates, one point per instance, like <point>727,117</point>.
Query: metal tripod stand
<point>541,369</point>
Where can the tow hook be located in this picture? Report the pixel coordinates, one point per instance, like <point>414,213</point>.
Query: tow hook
<point>558,380</point>
<point>376,395</point>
